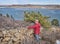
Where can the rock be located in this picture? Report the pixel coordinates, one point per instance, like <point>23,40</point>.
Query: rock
<point>4,43</point>
<point>6,39</point>
<point>1,34</point>
<point>4,32</point>
<point>13,31</point>
<point>14,39</point>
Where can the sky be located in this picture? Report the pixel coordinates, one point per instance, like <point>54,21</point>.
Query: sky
<point>40,2</point>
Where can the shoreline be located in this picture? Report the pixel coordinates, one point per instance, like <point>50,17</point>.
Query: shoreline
<point>31,6</point>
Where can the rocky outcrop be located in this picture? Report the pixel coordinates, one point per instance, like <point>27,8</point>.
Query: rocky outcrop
<point>25,36</point>
<point>15,36</point>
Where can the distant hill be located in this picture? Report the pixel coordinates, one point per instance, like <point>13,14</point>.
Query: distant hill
<point>32,6</point>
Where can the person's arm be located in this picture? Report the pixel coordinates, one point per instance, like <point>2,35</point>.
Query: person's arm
<point>31,27</point>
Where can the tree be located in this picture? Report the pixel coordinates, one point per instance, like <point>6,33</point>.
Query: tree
<point>31,16</point>
<point>0,14</point>
<point>7,15</point>
<point>12,17</point>
<point>55,22</point>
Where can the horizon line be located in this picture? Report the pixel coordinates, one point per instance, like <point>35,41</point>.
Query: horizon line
<point>29,4</point>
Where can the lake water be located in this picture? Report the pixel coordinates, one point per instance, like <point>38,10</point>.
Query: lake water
<point>18,13</point>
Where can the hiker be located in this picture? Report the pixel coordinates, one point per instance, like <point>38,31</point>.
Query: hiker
<point>36,28</point>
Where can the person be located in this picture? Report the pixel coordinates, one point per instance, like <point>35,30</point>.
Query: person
<point>36,29</point>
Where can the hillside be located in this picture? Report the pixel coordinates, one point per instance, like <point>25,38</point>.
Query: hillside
<point>8,23</point>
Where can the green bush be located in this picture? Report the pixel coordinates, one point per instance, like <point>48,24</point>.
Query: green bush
<point>7,15</point>
<point>31,16</point>
<point>0,14</point>
<point>55,22</point>
<point>12,17</point>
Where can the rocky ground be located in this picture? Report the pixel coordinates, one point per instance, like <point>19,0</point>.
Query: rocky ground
<point>15,32</point>
<point>25,36</point>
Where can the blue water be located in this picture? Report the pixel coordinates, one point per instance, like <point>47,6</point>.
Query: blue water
<point>18,13</point>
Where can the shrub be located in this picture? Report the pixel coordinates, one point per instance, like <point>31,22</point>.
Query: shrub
<point>0,14</point>
<point>31,16</point>
<point>7,15</point>
<point>55,22</point>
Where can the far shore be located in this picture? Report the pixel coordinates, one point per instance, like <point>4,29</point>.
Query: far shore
<point>31,6</point>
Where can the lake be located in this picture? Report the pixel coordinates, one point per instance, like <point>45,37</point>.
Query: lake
<point>18,13</point>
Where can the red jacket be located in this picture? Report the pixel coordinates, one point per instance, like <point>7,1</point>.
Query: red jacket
<point>36,28</point>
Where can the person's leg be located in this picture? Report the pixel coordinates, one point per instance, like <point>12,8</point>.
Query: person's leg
<point>37,37</point>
